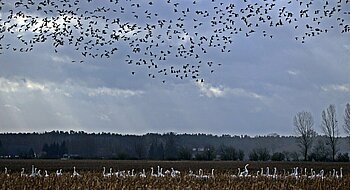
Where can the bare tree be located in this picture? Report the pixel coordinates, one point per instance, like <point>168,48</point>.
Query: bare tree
<point>330,128</point>
<point>303,123</point>
<point>347,119</point>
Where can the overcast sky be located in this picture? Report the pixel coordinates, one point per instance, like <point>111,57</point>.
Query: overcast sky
<point>261,84</point>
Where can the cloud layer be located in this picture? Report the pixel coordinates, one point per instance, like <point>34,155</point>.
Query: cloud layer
<point>260,86</point>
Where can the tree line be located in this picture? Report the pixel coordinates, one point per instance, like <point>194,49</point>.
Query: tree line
<point>328,148</point>
<point>305,145</point>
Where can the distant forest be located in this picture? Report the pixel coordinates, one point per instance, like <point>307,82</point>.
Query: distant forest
<point>168,146</point>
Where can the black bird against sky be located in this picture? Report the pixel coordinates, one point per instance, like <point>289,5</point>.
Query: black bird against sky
<point>166,38</point>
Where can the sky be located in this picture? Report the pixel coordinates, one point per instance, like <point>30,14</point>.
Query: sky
<point>259,87</point>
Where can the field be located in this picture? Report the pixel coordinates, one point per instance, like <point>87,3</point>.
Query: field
<point>186,175</point>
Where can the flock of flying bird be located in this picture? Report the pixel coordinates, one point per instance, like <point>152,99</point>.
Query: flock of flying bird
<point>170,37</point>
<point>296,173</point>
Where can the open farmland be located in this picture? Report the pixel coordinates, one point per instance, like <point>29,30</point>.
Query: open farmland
<point>191,175</point>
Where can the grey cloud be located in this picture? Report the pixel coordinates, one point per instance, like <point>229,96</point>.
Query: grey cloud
<point>261,84</point>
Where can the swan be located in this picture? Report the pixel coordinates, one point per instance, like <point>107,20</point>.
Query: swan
<point>132,173</point>
<point>104,171</point>
<point>295,172</point>
<point>46,174</point>
<point>245,172</point>
<point>39,173</point>
<point>200,173</point>
<point>274,173</point>
<point>110,171</point>
<point>313,174</point>
<point>33,172</point>
<point>75,173</point>
<point>116,174</point>
<point>336,175</point>
<point>341,172</point>
<point>160,172</point>
<point>268,172</point>
<point>174,173</point>
<point>143,173</point>
<point>23,174</point>
<point>262,172</point>
<point>104,174</point>
<point>6,172</point>
<point>152,173</point>
<point>59,172</point>
<point>257,174</point>
<point>121,174</point>
<point>191,174</point>
<point>320,175</point>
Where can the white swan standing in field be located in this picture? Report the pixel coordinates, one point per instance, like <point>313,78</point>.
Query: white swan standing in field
<point>33,172</point>
<point>132,173</point>
<point>201,174</point>
<point>274,176</point>
<point>295,173</point>
<point>121,174</point>
<point>262,172</point>
<point>39,173</point>
<point>313,174</point>
<point>336,175</point>
<point>152,173</point>
<point>191,174</point>
<point>245,172</point>
<point>59,172</point>
<point>160,172</point>
<point>268,172</point>
<point>104,174</point>
<point>143,173</point>
<point>333,175</point>
<point>116,174</point>
<point>75,173</point>
<point>46,174</point>
<point>340,174</point>
<point>321,174</point>
<point>6,172</point>
<point>23,174</point>
<point>257,174</point>
<point>174,173</point>
<point>110,171</point>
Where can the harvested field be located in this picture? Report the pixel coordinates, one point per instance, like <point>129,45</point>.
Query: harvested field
<point>184,175</point>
